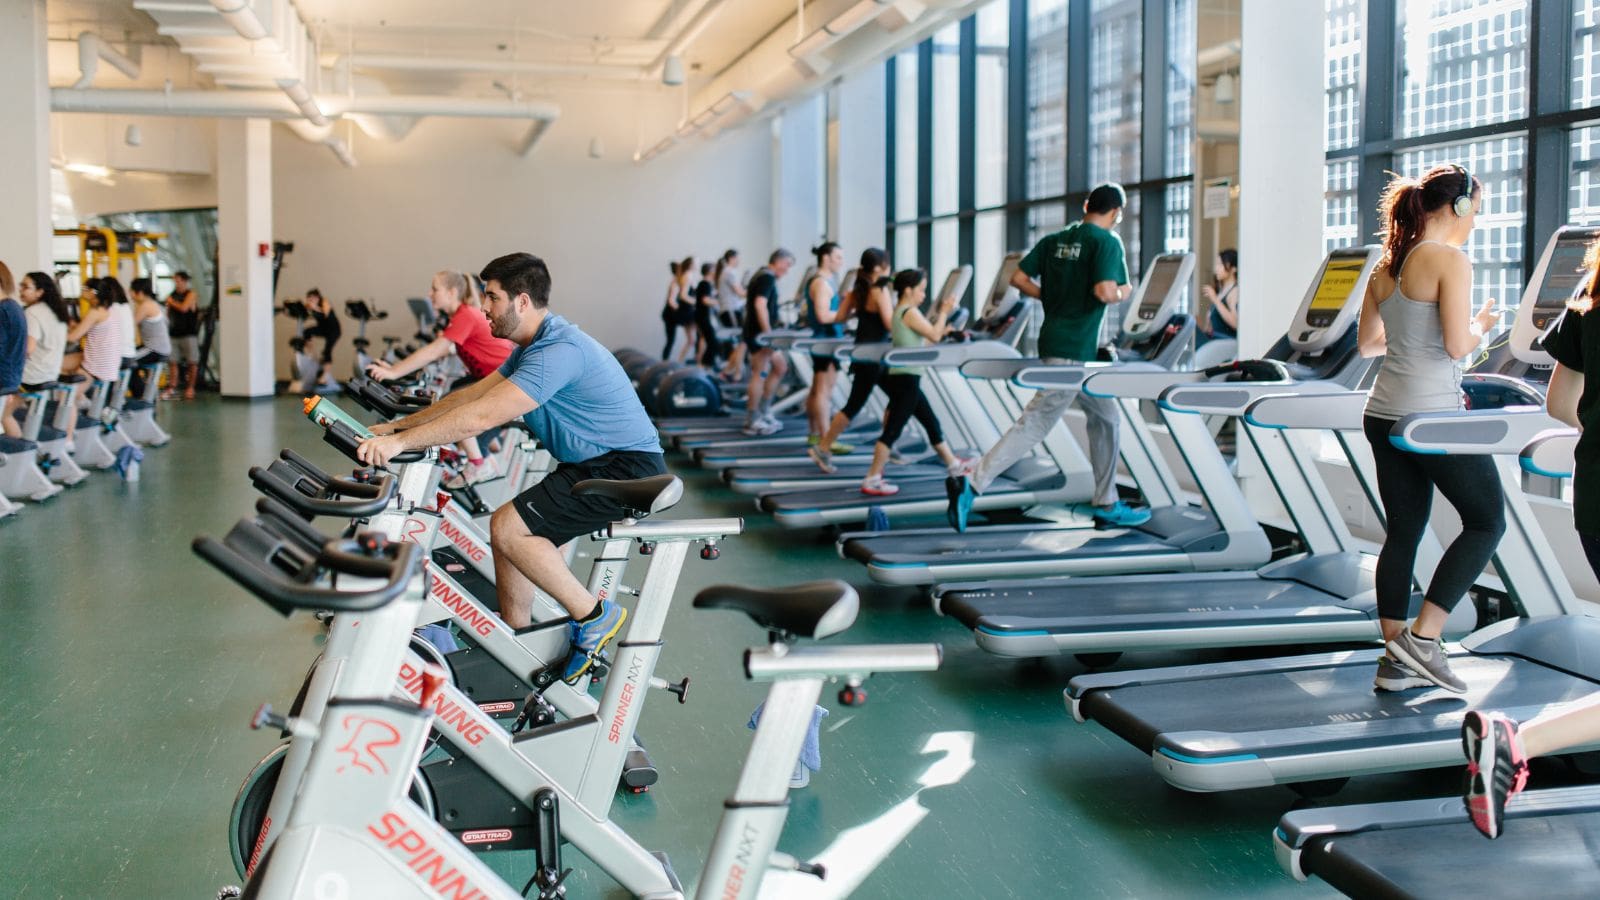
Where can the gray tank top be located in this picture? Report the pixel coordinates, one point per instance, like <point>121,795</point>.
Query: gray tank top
<point>1417,374</point>
<point>153,331</point>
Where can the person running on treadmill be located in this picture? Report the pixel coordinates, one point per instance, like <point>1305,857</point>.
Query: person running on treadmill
<point>467,336</point>
<point>577,401</point>
<point>705,317</point>
<point>1082,269</point>
<point>767,366</point>
<point>1497,747</point>
<point>825,314</point>
<point>910,328</point>
<point>1417,314</point>
<point>872,302</point>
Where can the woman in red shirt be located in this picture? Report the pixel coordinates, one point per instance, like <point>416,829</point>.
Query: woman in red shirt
<point>467,336</point>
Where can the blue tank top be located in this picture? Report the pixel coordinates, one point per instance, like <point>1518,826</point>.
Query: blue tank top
<point>819,329</point>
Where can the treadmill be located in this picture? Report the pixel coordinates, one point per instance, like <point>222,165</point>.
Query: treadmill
<point>1318,356</point>
<point>1322,595</point>
<point>788,449</point>
<point>970,417</point>
<point>1316,718</point>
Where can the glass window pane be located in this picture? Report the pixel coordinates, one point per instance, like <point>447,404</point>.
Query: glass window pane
<point>1180,86</point>
<point>1463,63</point>
<point>1180,217</point>
<point>946,249</point>
<point>905,247</point>
<point>946,118</point>
<point>989,248</point>
<point>1496,242</point>
<point>1584,183</point>
<point>905,136</point>
<point>1047,98</point>
<point>1585,53</point>
<point>1115,90</point>
<point>1340,221</point>
<point>1343,65</point>
<point>1042,220</point>
<point>990,115</point>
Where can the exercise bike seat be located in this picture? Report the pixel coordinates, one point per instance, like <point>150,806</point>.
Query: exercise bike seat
<point>815,609</point>
<point>643,495</point>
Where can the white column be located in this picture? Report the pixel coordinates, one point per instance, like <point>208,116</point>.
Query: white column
<point>25,151</point>
<point>244,250</point>
<point>1280,167</point>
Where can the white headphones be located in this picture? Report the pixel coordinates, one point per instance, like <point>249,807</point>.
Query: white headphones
<point>1463,202</point>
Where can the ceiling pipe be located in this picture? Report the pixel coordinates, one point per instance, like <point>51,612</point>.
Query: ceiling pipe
<point>492,66</point>
<point>275,105</point>
<point>313,134</point>
<point>92,48</point>
<point>536,130</point>
<point>686,36</point>
<point>238,14</point>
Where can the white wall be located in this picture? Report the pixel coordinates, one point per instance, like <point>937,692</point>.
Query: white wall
<point>799,188</point>
<point>862,159</point>
<point>454,195</point>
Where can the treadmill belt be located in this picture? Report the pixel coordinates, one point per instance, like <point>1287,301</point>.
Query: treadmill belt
<point>1326,708</point>
<point>978,545</point>
<point>850,496</point>
<point>1104,606</point>
<point>1553,857</point>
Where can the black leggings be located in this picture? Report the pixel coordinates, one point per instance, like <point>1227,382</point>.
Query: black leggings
<point>864,377</point>
<point>669,318</point>
<point>708,332</point>
<point>905,402</point>
<point>1405,484</point>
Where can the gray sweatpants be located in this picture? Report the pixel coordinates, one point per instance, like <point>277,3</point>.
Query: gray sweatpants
<point>1038,417</point>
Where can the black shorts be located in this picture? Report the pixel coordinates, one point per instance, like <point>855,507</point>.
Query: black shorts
<point>824,363</point>
<point>551,512</point>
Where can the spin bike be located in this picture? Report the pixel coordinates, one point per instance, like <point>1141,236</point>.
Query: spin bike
<point>357,823</point>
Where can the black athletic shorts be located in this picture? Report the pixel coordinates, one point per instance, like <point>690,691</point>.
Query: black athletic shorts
<point>824,363</point>
<point>550,511</point>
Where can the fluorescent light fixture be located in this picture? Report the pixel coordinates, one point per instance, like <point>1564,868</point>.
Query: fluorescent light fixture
<point>704,118</point>
<point>807,51</point>
<point>812,43</point>
<point>88,170</point>
<point>853,18</point>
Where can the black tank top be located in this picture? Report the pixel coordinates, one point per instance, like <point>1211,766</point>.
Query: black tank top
<point>869,327</point>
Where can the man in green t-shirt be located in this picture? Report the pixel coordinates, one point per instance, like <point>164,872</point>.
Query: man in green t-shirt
<point>1081,270</point>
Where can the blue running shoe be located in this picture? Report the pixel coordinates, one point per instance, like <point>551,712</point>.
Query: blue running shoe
<point>959,489</point>
<point>589,638</point>
<point>1121,515</point>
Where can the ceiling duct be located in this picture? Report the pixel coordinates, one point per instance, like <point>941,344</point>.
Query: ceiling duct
<point>92,48</point>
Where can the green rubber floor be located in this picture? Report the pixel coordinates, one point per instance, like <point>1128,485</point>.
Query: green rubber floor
<point>133,667</point>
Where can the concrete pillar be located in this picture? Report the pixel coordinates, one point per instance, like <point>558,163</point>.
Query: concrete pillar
<point>1280,167</point>
<point>244,250</point>
<point>25,152</point>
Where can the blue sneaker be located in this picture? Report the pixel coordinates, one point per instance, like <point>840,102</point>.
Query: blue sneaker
<point>589,638</point>
<point>959,489</point>
<point>1121,515</point>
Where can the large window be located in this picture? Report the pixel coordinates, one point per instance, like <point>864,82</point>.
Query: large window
<point>994,25</point>
<point>946,120</point>
<point>1463,63</point>
<point>1047,98</point>
<point>905,135</point>
<point>1496,243</point>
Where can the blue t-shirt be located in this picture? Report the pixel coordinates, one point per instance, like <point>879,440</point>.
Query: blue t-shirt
<point>587,407</point>
<point>13,343</point>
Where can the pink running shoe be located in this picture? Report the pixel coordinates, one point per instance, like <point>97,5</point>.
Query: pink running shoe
<point>877,487</point>
<point>1497,769</point>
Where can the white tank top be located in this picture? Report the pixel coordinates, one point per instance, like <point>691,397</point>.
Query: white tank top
<point>123,314</point>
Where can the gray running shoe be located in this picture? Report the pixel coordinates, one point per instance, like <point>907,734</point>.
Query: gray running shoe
<point>1393,676</point>
<point>1426,658</point>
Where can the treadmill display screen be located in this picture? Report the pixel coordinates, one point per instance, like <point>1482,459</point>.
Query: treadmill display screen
<point>1160,285</point>
<point>1001,285</point>
<point>1563,277</point>
<point>952,284</point>
<point>1339,278</point>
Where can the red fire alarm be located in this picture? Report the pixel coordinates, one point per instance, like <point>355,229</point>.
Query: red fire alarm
<point>263,249</point>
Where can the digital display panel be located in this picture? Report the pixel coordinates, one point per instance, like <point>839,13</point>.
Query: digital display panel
<point>1162,279</point>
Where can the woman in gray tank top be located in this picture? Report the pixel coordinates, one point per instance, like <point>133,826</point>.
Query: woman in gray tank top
<point>1417,313</point>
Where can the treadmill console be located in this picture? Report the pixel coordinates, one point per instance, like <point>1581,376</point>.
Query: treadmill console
<point>1164,284</point>
<point>955,284</point>
<point>1558,276</point>
<point>1333,301</point>
<point>1000,290</point>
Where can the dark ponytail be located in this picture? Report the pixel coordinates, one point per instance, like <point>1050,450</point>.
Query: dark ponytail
<point>822,250</point>
<point>1406,204</point>
<point>872,259</point>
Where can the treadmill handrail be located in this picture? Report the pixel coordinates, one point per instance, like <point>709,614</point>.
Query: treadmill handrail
<point>1071,376</point>
<point>949,355</point>
<point>1332,411</point>
<point>997,369</point>
<point>1481,432</point>
<point>1551,453</point>
<point>1299,827</point>
<point>1232,398</point>
<point>868,353</point>
<point>1137,385</point>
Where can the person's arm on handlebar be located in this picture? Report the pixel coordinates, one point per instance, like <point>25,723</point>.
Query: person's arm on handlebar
<point>443,405</point>
<point>434,350</point>
<point>496,405</point>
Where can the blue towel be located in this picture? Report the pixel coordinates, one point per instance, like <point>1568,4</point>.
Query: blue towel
<point>811,750</point>
<point>125,457</point>
<point>877,519</point>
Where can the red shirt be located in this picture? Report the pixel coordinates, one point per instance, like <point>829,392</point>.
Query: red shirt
<point>480,351</point>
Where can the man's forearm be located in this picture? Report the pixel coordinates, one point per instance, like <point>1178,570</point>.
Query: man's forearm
<point>452,425</point>
<point>436,409</point>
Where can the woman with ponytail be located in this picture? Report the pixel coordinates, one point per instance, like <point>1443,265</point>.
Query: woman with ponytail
<point>825,314</point>
<point>872,301</point>
<point>1417,313</point>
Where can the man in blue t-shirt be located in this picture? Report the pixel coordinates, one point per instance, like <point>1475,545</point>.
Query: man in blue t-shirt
<point>578,402</point>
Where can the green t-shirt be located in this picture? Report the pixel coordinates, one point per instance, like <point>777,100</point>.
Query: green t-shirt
<point>1574,341</point>
<point>1068,265</point>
